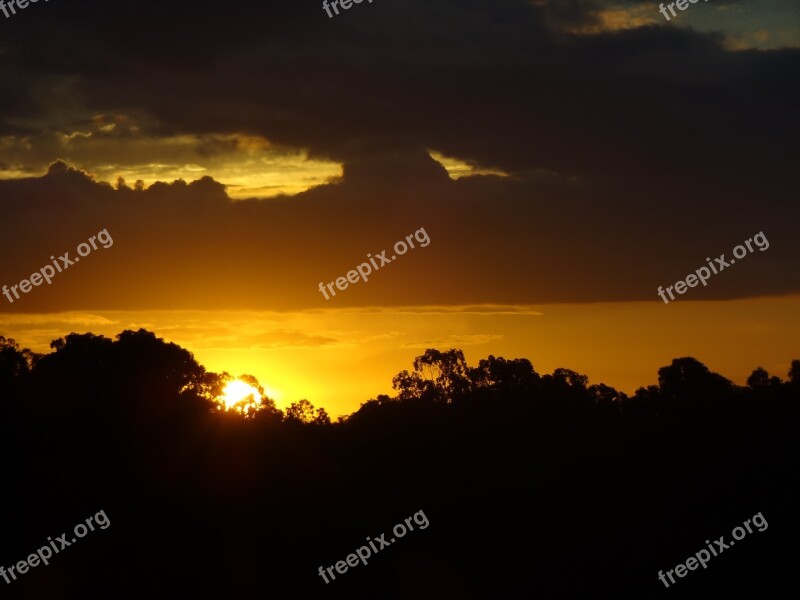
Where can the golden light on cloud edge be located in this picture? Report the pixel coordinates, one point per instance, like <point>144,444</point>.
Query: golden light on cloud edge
<point>457,168</point>
<point>249,166</point>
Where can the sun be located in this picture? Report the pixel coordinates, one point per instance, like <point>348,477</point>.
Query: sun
<point>239,396</point>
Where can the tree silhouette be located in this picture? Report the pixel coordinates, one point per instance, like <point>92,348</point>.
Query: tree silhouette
<point>438,376</point>
<point>760,379</point>
<point>504,378</point>
<point>131,425</point>
<point>15,363</point>
<point>304,412</point>
<point>794,373</point>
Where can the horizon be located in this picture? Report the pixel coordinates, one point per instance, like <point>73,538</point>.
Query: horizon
<point>342,396</point>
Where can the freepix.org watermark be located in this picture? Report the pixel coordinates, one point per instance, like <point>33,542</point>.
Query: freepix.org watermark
<point>363,553</point>
<point>64,262</point>
<point>703,274</point>
<point>704,556</point>
<point>20,4</point>
<point>681,4</point>
<point>345,4</point>
<point>365,269</point>
<point>44,554</point>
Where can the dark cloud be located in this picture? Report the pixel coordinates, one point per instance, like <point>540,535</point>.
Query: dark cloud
<point>633,154</point>
<point>493,240</point>
<point>492,82</point>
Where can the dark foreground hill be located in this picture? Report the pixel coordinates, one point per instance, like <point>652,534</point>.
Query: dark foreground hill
<point>532,486</point>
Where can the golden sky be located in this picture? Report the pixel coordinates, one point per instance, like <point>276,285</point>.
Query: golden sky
<point>341,358</point>
<point>564,161</point>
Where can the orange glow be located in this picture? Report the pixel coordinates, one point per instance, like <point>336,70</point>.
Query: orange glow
<point>338,359</point>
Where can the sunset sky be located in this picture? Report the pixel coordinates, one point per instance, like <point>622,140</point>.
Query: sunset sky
<point>565,158</point>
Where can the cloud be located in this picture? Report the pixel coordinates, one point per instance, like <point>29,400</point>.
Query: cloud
<point>342,88</point>
<point>234,339</point>
<point>69,319</point>
<point>628,154</point>
<point>495,241</point>
<point>114,146</point>
<point>454,341</point>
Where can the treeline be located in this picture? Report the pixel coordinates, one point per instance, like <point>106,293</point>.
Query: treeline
<point>140,373</point>
<point>535,485</point>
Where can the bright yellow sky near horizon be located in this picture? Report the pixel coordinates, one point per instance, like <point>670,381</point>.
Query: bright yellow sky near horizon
<point>339,358</point>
